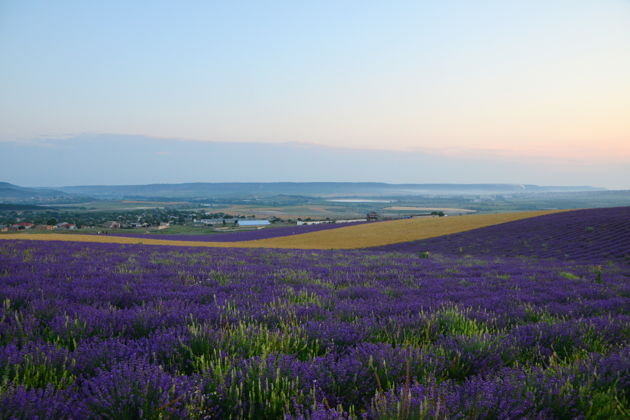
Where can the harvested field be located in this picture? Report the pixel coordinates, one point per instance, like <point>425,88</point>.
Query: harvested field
<point>391,232</point>
<point>351,237</point>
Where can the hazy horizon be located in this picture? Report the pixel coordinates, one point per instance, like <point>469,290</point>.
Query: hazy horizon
<point>124,160</point>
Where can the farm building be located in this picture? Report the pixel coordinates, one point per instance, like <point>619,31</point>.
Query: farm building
<point>137,225</point>
<point>67,226</point>
<point>255,223</point>
<point>313,222</point>
<point>215,221</point>
<point>22,225</point>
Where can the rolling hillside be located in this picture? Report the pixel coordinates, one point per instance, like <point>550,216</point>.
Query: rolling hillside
<point>581,234</point>
<point>14,194</point>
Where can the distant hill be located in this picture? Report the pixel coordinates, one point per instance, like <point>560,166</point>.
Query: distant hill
<point>14,194</point>
<point>309,189</point>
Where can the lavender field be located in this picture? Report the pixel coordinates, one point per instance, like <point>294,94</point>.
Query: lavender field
<point>135,331</point>
<point>585,235</point>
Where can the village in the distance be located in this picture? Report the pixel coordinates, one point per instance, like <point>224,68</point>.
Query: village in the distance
<point>176,209</point>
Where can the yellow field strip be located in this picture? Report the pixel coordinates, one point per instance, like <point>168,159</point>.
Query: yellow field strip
<point>349,237</point>
<point>390,232</point>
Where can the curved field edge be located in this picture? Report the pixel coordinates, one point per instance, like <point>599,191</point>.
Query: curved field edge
<point>351,237</point>
<point>394,231</point>
<point>586,235</point>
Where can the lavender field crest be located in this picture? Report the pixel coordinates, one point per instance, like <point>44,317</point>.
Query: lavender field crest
<point>581,235</point>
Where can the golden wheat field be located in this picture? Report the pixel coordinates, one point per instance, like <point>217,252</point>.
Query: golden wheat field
<point>350,237</point>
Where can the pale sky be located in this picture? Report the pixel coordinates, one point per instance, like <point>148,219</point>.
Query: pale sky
<point>537,78</point>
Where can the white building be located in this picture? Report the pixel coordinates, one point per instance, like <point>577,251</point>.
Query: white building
<point>255,223</point>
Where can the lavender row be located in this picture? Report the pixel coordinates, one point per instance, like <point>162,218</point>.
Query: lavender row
<point>249,235</point>
<point>588,235</point>
<point>132,331</point>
